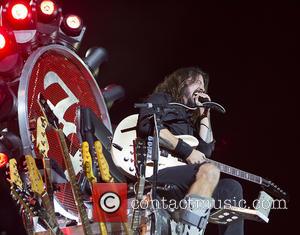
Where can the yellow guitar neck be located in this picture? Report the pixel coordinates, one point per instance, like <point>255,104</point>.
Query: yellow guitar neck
<point>102,163</point>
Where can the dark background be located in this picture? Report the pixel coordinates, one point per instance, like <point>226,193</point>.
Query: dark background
<point>251,53</point>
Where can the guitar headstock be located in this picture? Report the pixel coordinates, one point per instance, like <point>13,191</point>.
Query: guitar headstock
<point>87,162</point>
<point>140,156</point>
<point>274,190</point>
<point>27,203</point>
<point>47,112</point>
<point>102,163</point>
<point>17,191</point>
<point>15,178</point>
<point>35,178</point>
<point>41,136</point>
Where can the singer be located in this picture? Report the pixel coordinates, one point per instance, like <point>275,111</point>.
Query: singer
<point>197,181</point>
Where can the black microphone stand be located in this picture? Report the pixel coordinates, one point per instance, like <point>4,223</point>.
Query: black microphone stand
<point>155,153</point>
<point>155,145</point>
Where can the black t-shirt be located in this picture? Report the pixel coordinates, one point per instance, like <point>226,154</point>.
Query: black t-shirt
<point>176,119</point>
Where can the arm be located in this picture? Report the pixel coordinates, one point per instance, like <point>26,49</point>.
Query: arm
<point>206,140</point>
<point>205,130</point>
<point>171,142</point>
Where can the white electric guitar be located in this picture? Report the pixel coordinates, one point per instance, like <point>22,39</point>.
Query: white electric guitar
<point>124,157</point>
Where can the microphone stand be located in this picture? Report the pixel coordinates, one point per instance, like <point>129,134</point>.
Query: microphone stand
<point>157,108</point>
<point>155,153</point>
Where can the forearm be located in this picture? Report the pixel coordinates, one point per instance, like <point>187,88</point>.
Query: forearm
<point>205,129</point>
<point>167,139</point>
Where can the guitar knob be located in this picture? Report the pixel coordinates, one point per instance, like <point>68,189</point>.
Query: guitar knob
<point>131,168</point>
<point>126,159</point>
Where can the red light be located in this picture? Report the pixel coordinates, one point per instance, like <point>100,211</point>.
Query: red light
<point>47,7</point>
<point>72,25</point>
<point>2,41</point>
<point>19,11</point>
<point>3,160</point>
<point>73,22</point>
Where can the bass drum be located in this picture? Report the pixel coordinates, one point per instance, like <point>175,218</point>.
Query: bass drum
<point>60,75</point>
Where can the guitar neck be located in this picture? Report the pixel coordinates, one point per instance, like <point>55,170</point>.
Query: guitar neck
<point>47,176</point>
<point>75,188</point>
<point>51,220</point>
<point>237,172</point>
<point>136,218</point>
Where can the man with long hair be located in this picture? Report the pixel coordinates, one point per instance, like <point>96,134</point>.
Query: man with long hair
<point>198,181</point>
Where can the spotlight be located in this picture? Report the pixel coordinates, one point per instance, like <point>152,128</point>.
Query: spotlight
<point>10,59</point>
<point>3,160</point>
<point>47,11</point>
<point>7,42</point>
<point>71,31</point>
<point>19,11</point>
<point>94,57</point>
<point>18,15</point>
<point>72,25</point>
<point>2,41</point>
<point>112,93</point>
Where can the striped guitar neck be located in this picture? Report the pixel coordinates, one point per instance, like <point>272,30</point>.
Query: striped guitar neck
<point>75,188</point>
<point>37,186</point>
<point>236,172</point>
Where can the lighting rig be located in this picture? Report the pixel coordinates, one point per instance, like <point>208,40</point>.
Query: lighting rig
<point>26,26</point>
<point>38,56</point>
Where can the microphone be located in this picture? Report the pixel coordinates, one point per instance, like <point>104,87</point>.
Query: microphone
<point>211,105</point>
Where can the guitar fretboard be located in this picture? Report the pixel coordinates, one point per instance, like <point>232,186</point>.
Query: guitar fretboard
<point>75,188</point>
<point>237,172</point>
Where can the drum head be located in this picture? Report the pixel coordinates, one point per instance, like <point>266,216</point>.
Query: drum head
<point>65,81</point>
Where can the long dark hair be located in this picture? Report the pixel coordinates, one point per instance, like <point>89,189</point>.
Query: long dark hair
<point>174,84</point>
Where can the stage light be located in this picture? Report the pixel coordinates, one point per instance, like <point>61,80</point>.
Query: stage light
<point>94,57</point>
<point>11,62</point>
<point>72,25</point>
<point>19,11</point>
<point>47,7</point>
<point>2,41</point>
<point>71,31</point>
<point>7,42</point>
<point>18,15</point>
<point>74,22</point>
<point>47,11</point>
<point>3,160</point>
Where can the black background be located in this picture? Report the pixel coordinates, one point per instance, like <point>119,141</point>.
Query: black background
<point>250,51</point>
